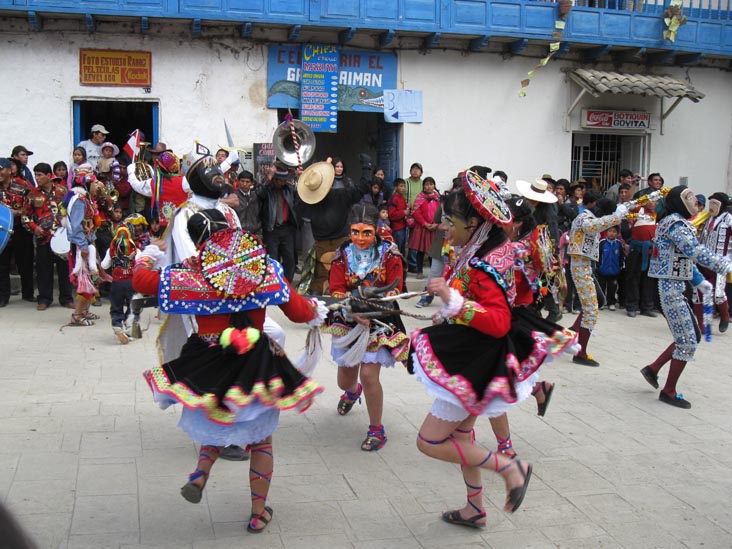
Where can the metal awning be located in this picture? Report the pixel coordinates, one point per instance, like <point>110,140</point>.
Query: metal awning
<point>597,82</point>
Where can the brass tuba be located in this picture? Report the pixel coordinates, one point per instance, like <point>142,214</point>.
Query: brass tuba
<point>143,170</point>
<point>284,144</point>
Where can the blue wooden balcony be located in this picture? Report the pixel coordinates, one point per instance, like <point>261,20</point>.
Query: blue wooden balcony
<point>594,27</point>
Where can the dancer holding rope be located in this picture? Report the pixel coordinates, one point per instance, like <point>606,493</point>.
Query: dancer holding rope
<point>470,363</point>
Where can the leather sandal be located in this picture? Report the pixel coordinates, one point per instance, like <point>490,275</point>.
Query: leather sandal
<point>453,517</point>
<point>256,518</point>
<point>516,495</point>
<point>542,406</point>
<point>348,400</point>
<point>192,492</point>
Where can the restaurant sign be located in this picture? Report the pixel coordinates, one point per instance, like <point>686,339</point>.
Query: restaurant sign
<point>115,68</point>
<point>616,120</point>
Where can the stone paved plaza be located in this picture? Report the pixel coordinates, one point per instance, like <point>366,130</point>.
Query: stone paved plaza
<point>88,461</point>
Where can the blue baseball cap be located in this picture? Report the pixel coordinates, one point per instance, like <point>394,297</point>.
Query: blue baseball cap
<point>5,163</point>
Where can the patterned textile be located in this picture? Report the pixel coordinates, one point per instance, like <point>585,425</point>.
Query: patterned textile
<point>680,319</point>
<point>581,268</point>
<point>584,236</point>
<point>184,290</point>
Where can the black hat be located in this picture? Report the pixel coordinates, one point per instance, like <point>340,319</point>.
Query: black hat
<point>19,149</point>
<point>723,198</point>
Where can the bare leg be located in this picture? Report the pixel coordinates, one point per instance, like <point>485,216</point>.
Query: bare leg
<point>435,440</point>
<point>472,476</point>
<point>348,378</point>
<point>373,391</point>
<point>193,490</point>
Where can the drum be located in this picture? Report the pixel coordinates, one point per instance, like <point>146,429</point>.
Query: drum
<point>60,244</point>
<point>6,225</point>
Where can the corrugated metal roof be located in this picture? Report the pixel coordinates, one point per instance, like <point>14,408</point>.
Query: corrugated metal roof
<point>597,82</point>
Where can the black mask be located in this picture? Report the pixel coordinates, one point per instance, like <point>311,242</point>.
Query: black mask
<point>206,178</point>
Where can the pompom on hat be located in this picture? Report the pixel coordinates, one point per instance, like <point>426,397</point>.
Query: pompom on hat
<point>485,198</point>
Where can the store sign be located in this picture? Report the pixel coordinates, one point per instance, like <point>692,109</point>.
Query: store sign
<point>115,68</point>
<point>319,87</point>
<point>362,78</point>
<point>616,120</point>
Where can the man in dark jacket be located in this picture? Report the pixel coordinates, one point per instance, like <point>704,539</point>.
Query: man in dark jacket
<point>330,216</point>
<point>280,219</point>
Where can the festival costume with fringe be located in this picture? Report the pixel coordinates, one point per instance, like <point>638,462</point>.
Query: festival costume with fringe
<point>477,360</point>
<point>229,397</point>
<point>378,266</point>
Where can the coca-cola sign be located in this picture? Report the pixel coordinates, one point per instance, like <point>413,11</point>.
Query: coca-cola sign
<point>616,120</point>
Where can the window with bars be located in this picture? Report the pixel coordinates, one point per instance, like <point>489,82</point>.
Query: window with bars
<point>596,157</point>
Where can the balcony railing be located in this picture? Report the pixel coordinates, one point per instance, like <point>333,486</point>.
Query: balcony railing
<point>621,23</point>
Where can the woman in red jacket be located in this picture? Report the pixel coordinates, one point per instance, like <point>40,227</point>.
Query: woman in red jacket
<point>230,378</point>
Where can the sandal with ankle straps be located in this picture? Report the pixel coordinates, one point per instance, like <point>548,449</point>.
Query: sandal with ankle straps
<point>542,406</point>
<point>348,400</point>
<point>375,439</point>
<point>256,518</point>
<point>192,492</point>
<point>453,517</point>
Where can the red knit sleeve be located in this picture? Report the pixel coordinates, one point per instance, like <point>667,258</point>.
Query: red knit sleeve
<point>487,309</point>
<point>298,309</point>
<point>145,279</point>
<point>337,278</point>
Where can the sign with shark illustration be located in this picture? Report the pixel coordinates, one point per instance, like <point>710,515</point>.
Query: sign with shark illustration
<point>362,79</point>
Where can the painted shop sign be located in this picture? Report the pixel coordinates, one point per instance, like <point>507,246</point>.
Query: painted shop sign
<point>319,87</point>
<point>616,120</point>
<point>362,78</point>
<point>115,68</point>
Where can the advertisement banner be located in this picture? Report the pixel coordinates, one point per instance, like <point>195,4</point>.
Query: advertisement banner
<point>616,120</point>
<point>319,87</point>
<point>363,77</point>
<point>115,68</point>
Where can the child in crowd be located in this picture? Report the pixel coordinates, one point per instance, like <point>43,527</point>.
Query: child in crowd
<point>79,165</point>
<point>383,229</point>
<point>108,167</point>
<point>399,214</point>
<point>423,232</point>
<point>376,196</point>
<point>120,257</point>
<point>61,170</point>
<point>610,264</point>
<point>139,227</point>
<point>156,231</point>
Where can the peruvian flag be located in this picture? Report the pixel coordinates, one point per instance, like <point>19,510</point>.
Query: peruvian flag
<point>132,147</point>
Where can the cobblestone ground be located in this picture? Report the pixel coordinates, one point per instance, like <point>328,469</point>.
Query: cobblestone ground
<point>88,461</point>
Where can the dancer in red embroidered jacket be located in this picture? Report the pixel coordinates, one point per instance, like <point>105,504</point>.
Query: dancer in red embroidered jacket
<point>470,363</point>
<point>230,377</point>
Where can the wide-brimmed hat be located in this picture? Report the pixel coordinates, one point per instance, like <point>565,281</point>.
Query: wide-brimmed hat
<point>581,182</point>
<point>538,190</point>
<point>315,182</point>
<point>115,148</point>
<point>159,148</point>
<point>484,197</point>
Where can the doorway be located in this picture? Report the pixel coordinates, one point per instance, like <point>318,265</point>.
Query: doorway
<point>598,158</point>
<point>120,117</point>
<point>359,132</point>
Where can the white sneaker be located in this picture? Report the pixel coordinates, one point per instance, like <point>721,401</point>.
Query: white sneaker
<point>611,307</point>
<point>123,338</point>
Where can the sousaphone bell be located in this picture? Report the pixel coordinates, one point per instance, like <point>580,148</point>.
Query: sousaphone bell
<point>284,144</point>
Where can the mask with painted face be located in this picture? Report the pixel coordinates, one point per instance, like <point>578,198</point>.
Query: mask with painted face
<point>714,207</point>
<point>689,199</point>
<point>363,235</point>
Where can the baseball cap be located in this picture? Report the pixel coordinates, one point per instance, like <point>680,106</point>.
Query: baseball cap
<point>19,149</point>
<point>99,128</point>
<point>4,163</point>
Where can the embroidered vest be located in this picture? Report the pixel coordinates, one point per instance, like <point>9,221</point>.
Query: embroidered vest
<point>184,290</point>
<point>580,243</point>
<point>667,261</point>
<point>718,238</point>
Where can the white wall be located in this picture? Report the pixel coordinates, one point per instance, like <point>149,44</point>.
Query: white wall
<point>473,115</point>
<point>198,84</point>
<point>472,112</point>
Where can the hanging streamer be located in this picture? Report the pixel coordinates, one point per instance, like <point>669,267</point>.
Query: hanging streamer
<point>565,6</point>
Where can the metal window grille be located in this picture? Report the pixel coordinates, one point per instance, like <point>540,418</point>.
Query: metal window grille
<point>596,157</point>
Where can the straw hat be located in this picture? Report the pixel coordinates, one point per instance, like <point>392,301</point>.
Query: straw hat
<point>315,182</point>
<point>538,190</point>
